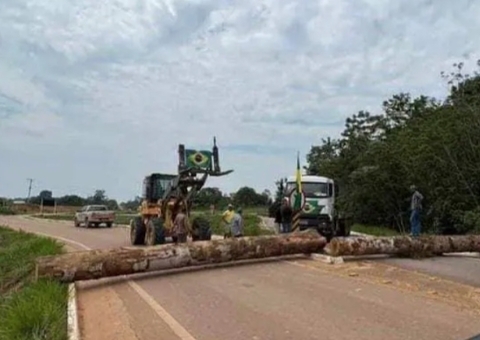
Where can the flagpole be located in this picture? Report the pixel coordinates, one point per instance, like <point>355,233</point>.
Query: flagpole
<point>296,220</point>
<point>297,210</point>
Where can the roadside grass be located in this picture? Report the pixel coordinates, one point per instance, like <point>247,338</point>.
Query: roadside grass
<point>124,218</point>
<point>5,210</point>
<point>260,211</point>
<point>251,224</point>
<point>251,217</point>
<point>119,218</point>
<point>59,217</point>
<point>374,230</point>
<point>29,310</point>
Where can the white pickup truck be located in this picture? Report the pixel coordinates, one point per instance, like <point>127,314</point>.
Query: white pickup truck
<point>94,215</point>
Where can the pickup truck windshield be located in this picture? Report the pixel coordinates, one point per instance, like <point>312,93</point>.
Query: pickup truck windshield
<point>97,208</point>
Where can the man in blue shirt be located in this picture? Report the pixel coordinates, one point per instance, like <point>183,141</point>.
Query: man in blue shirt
<point>415,207</point>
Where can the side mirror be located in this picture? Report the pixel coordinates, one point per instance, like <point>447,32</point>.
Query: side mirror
<point>330,189</point>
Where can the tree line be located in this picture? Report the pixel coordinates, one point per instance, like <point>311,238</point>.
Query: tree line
<point>98,197</point>
<point>206,197</point>
<point>423,141</point>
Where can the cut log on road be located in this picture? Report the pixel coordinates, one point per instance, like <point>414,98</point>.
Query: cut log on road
<point>423,246</point>
<point>95,264</point>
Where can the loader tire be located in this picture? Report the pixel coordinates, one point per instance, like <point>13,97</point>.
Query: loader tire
<point>137,231</point>
<point>155,232</point>
<point>201,229</point>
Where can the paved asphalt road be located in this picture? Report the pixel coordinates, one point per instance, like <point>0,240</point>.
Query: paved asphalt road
<point>454,267</point>
<point>465,269</point>
<point>296,299</point>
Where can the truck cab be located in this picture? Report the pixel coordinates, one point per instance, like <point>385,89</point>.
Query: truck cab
<point>319,210</point>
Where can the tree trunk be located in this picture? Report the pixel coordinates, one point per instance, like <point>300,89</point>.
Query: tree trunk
<point>94,264</point>
<point>423,246</point>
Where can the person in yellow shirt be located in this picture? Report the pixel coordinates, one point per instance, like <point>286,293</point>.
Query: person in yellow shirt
<point>227,218</point>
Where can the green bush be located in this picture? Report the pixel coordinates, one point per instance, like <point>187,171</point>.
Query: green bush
<point>5,210</point>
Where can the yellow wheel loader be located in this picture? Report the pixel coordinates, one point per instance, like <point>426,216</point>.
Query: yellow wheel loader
<point>164,195</point>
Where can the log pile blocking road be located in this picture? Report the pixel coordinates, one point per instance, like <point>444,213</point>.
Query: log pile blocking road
<point>95,264</point>
<point>403,246</point>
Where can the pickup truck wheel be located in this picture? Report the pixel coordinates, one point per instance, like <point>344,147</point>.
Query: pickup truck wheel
<point>109,224</point>
<point>75,223</point>
<point>137,231</point>
<point>155,232</point>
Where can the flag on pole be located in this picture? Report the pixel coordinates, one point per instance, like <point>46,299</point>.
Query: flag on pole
<point>297,205</point>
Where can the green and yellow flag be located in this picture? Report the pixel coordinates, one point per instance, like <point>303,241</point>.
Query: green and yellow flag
<point>297,204</point>
<point>198,158</point>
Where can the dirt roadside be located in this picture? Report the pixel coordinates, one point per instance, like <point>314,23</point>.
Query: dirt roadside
<point>116,312</point>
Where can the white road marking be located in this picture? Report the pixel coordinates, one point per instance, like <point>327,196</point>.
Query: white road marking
<point>72,323</point>
<point>178,329</point>
<point>81,245</point>
<point>174,325</point>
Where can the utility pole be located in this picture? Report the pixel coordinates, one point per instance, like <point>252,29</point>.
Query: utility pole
<point>30,180</point>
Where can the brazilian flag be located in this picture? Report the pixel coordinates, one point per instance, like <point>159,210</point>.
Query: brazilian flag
<point>198,159</point>
<point>297,203</point>
<point>311,207</point>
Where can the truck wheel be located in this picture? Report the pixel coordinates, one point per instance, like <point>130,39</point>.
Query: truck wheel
<point>155,232</point>
<point>342,229</point>
<point>201,230</point>
<point>109,224</point>
<point>76,224</point>
<point>137,231</point>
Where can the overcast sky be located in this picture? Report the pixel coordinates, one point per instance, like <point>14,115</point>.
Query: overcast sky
<point>97,94</point>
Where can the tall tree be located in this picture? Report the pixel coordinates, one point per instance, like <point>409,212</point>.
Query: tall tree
<point>424,141</point>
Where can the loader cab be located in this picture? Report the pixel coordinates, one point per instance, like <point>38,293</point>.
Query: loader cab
<point>155,185</point>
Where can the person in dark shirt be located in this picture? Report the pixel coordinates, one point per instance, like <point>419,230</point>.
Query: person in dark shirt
<point>278,218</point>
<point>287,214</point>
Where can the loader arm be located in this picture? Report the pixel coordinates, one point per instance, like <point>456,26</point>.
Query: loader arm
<point>164,194</point>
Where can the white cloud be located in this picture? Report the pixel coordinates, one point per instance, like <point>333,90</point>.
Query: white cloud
<point>97,94</point>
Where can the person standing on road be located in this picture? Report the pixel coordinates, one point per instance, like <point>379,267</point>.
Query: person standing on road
<point>287,215</point>
<point>416,208</point>
<point>278,217</point>
<point>180,226</point>
<point>227,218</point>
<point>237,224</point>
